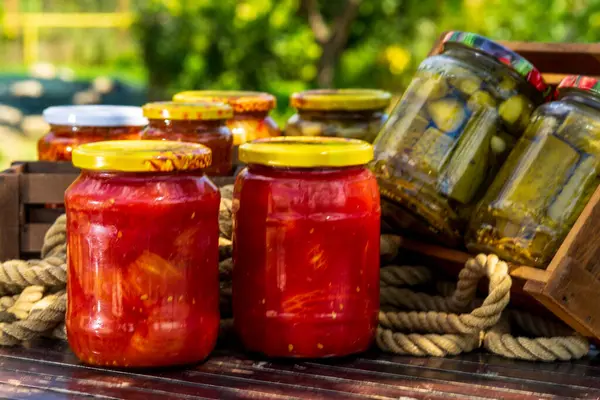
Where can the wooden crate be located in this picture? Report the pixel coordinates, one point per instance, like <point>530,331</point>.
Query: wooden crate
<point>570,286</point>
<point>25,190</point>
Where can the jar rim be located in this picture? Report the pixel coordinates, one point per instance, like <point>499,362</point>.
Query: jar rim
<point>341,99</point>
<point>141,156</point>
<point>500,53</point>
<point>580,82</point>
<point>95,116</point>
<point>187,111</point>
<point>240,100</point>
<point>306,152</point>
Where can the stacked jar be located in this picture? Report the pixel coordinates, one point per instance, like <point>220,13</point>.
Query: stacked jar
<point>203,123</point>
<point>347,113</point>
<point>251,119</point>
<point>451,132</point>
<point>142,233</point>
<point>547,180</point>
<point>71,126</point>
<point>306,247</point>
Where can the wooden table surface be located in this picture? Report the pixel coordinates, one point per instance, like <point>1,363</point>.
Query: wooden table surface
<point>48,370</point>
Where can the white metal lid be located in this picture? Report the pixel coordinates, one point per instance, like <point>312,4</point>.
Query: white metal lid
<point>95,115</point>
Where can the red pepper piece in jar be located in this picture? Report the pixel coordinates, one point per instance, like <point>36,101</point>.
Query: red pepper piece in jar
<point>143,254</point>
<point>306,247</point>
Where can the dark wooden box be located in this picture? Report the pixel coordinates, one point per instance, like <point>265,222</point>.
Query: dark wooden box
<point>26,190</point>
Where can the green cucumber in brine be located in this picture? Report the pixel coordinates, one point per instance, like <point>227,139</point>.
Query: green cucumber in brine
<point>467,168</point>
<point>448,115</point>
<point>539,176</point>
<point>575,194</point>
<point>432,150</point>
<point>582,132</point>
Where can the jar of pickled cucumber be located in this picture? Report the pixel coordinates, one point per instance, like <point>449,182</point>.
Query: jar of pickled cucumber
<point>347,113</point>
<point>450,133</point>
<point>547,180</point>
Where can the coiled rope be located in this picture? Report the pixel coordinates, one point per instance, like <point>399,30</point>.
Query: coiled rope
<point>420,324</point>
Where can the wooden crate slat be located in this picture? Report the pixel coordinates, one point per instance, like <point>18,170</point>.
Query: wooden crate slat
<point>562,58</point>
<point>32,237</point>
<point>10,218</point>
<point>45,188</point>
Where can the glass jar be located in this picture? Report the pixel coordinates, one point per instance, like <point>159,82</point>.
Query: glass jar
<point>71,126</point>
<point>347,113</point>
<point>251,118</point>
<point>450,133</point>
<point>547,180</point>
<point>306,247</point>
<point>203,123</point>
<point>142,233</point>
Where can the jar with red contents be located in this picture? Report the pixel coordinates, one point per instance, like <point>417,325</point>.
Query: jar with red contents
<point>142,233</point>
<point>251,118</point>
<point>306,247</point>
<point>203,123</point>
<point>71,126</point>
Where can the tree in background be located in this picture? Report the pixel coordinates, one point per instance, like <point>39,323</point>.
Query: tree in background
<point>283,46</point>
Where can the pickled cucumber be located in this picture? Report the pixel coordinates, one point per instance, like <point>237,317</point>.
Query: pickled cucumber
<point>541,173</point>
<point>468,166</point>
<point>574,195</point>
<point>432,88</point>
<point>481,98</point>
<point>515,111</point>
<point>540,126</point>
<point>447,114</point>
<point>582,132</point>
<point>507,85</point>
<point>432,150</point>
<point>468,85</point>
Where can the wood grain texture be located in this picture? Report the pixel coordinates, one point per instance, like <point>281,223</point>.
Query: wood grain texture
<point>48,370</point>
<point>10,213</point>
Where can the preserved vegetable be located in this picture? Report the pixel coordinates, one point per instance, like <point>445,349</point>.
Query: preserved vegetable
<point>203,123</point>
<point>450,133</point>
<point>347,113</point>
<point>71,126</point>
<point>251,119</point>
<point>547,180</point>
<point>306,247</point>
<point>142,233</point>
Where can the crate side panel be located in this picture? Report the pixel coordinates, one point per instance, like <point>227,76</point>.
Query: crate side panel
<point>10,217</point>
<point>574,281</point>
<point>32,237</point>
<point>45,188</point>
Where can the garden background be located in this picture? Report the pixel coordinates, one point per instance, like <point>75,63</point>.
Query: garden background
<point>128,51</point>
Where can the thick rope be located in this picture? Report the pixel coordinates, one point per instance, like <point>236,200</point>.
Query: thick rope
<point>443,334</point>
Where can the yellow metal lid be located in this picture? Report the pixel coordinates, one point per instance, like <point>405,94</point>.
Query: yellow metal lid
<point>187,111</point>
<point>142,156</point>
<point>240,101</point>
<point>306,152</point>
<point>341,99</point>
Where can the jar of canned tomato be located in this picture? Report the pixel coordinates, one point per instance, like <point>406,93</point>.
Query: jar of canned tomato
<point>251,119</point>
<point>306,247</point>
<point>203,123</point>
<point>547,180</point>
<point>452,130</point>
<point>142,233</point>
<point>71,126</point>
<point>347,113</point>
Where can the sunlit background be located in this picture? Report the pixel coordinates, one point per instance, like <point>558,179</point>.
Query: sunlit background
<point>128,51</point>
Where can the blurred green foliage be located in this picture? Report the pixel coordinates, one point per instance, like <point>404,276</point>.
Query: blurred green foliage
<point>269,44</point>
<point>277,46</point>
